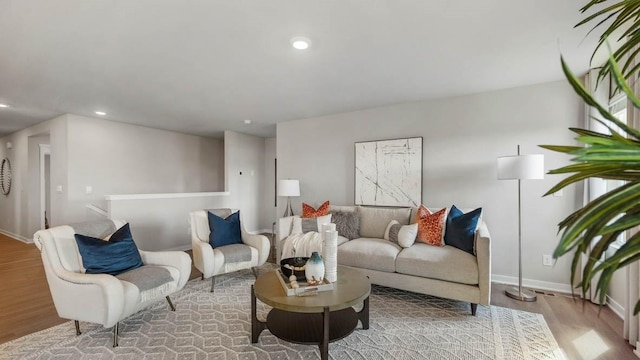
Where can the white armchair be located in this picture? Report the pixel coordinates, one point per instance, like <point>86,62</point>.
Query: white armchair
<point>101,298</point>
<point>211,261</point>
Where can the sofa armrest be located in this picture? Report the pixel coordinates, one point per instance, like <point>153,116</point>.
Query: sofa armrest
<point>483,256</point>
<point>177,259</point>
<point>97,298</point>
<point>283,229</point>
<point>203,258</point>
<point>260,242</point>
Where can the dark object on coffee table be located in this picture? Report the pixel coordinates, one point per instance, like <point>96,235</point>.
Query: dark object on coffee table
<point>295,263</point>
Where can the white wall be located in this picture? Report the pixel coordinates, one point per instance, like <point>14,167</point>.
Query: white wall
<point>162,223</point>
<point>245,177</point>
<point>15,208</point>
<point>112,158</point>
<point>116,158</point>
<point>463,136</point>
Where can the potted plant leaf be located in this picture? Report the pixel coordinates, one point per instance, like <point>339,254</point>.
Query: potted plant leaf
<point>615,155</point>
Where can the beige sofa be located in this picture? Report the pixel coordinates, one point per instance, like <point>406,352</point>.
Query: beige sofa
<point>439,271</point>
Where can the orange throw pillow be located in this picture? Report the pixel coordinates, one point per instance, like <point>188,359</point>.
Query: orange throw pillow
<point>430,226</point>
<point>309,212</point>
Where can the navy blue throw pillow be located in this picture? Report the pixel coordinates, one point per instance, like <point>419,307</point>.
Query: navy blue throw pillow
<point>224,231</point>
<point>118,255</point>
<point>461,228</point>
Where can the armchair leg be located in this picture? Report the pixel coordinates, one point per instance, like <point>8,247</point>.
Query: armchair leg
<point>255,272</point>
<point>474,307</point>
<point>213,282</point>
<point>202,277</point>
<point>115,335</point>
<point>77,323</point>
<point>173,308</point>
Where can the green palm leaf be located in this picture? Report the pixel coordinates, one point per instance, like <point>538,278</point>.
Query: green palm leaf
<point>590,230</point>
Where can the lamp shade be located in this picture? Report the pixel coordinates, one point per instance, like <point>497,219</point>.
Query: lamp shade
<point>521,167</point>
<point>288,187</point>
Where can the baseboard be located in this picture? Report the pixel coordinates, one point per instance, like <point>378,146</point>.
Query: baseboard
<point>17,237</point>
<point>534,284</point>
<point>615,307</point>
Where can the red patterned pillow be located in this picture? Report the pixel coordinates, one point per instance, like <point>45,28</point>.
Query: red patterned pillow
<point>430,226</point>
<point>309,212</point>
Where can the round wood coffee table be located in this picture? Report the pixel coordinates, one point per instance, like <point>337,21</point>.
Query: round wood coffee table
<point>312,320</point>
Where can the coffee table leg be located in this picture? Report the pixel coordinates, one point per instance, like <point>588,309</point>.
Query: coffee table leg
<point>363,314</point>
<point>256,325</point>
<point>324,345</point>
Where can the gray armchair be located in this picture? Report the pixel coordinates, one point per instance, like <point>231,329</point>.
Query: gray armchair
<point>102,298</point>
<point>216,261</point>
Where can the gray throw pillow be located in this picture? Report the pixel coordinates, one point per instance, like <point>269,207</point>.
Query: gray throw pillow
<point>347,224</point>
<point>393,232</point>
<point>309,224</point>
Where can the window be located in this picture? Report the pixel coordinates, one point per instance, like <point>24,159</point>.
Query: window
<point>618,107</point>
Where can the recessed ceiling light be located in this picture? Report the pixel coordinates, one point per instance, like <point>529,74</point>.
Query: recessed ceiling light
<point>101,113</point>
<point>247,122</point>
<point>4,106</point>
<point>300,42</point>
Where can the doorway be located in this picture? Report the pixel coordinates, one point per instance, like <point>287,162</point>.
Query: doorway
<point>45,185</point>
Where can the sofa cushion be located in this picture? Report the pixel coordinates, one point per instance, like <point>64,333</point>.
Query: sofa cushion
<point>309,211</point>
<point>435,262</point>
<point>369,253</point>
<point>115,256</point>
<point>430,226</point>
<point>461,228</point>
<point>388,229</point>
<point>224,231</point>
<point>374,220</point>
<point>347,223</point>
<point>304,225</point>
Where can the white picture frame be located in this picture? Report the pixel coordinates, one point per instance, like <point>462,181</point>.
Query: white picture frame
<point>389,172</point>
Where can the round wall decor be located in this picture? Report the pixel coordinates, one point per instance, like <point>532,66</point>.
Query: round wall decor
<point>5,176</point>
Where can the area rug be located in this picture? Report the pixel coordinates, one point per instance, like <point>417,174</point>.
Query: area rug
<point>403,325</point>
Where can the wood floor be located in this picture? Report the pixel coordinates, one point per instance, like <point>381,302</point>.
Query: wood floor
<point>26,307</point>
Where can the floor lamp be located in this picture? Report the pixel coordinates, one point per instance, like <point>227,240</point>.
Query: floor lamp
<point>288,188</point>
<point>520,167</point>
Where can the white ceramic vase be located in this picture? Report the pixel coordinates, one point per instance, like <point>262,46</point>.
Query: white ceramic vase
<point>330,255</point>
<point>314,270</point>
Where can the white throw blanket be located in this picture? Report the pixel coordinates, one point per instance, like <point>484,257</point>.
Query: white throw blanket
<point>302,245</point>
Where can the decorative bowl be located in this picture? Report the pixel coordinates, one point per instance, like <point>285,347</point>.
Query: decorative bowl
<point>297,263</point>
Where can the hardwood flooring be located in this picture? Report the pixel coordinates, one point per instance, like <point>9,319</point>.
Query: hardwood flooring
<point>25,301</point>
<point>582,333</point>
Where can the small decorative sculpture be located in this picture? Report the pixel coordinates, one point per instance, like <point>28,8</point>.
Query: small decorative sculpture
<point>314,270</point>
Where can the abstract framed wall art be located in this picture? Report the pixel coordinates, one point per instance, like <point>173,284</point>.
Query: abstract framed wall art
<point>389,172</point>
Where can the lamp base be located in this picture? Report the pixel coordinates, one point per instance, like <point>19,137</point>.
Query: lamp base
<point>288,211</point>
<point>522,295</point>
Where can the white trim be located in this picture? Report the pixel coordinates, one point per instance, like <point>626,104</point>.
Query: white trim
<point>165,196</point>
<point>535,284</point>
<point>16,237</point>
<point>615,307</point>
<point>97,210</point>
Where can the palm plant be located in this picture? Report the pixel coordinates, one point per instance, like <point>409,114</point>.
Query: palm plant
<point>619,17</point>
<point>612,156</point>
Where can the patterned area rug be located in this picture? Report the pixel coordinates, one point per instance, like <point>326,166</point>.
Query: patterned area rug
<point>403,325</point>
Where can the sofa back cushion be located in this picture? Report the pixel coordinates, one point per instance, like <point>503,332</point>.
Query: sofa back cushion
<point>374,220</point>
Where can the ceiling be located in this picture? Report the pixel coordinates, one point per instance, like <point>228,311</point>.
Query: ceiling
<point>202,67</point>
